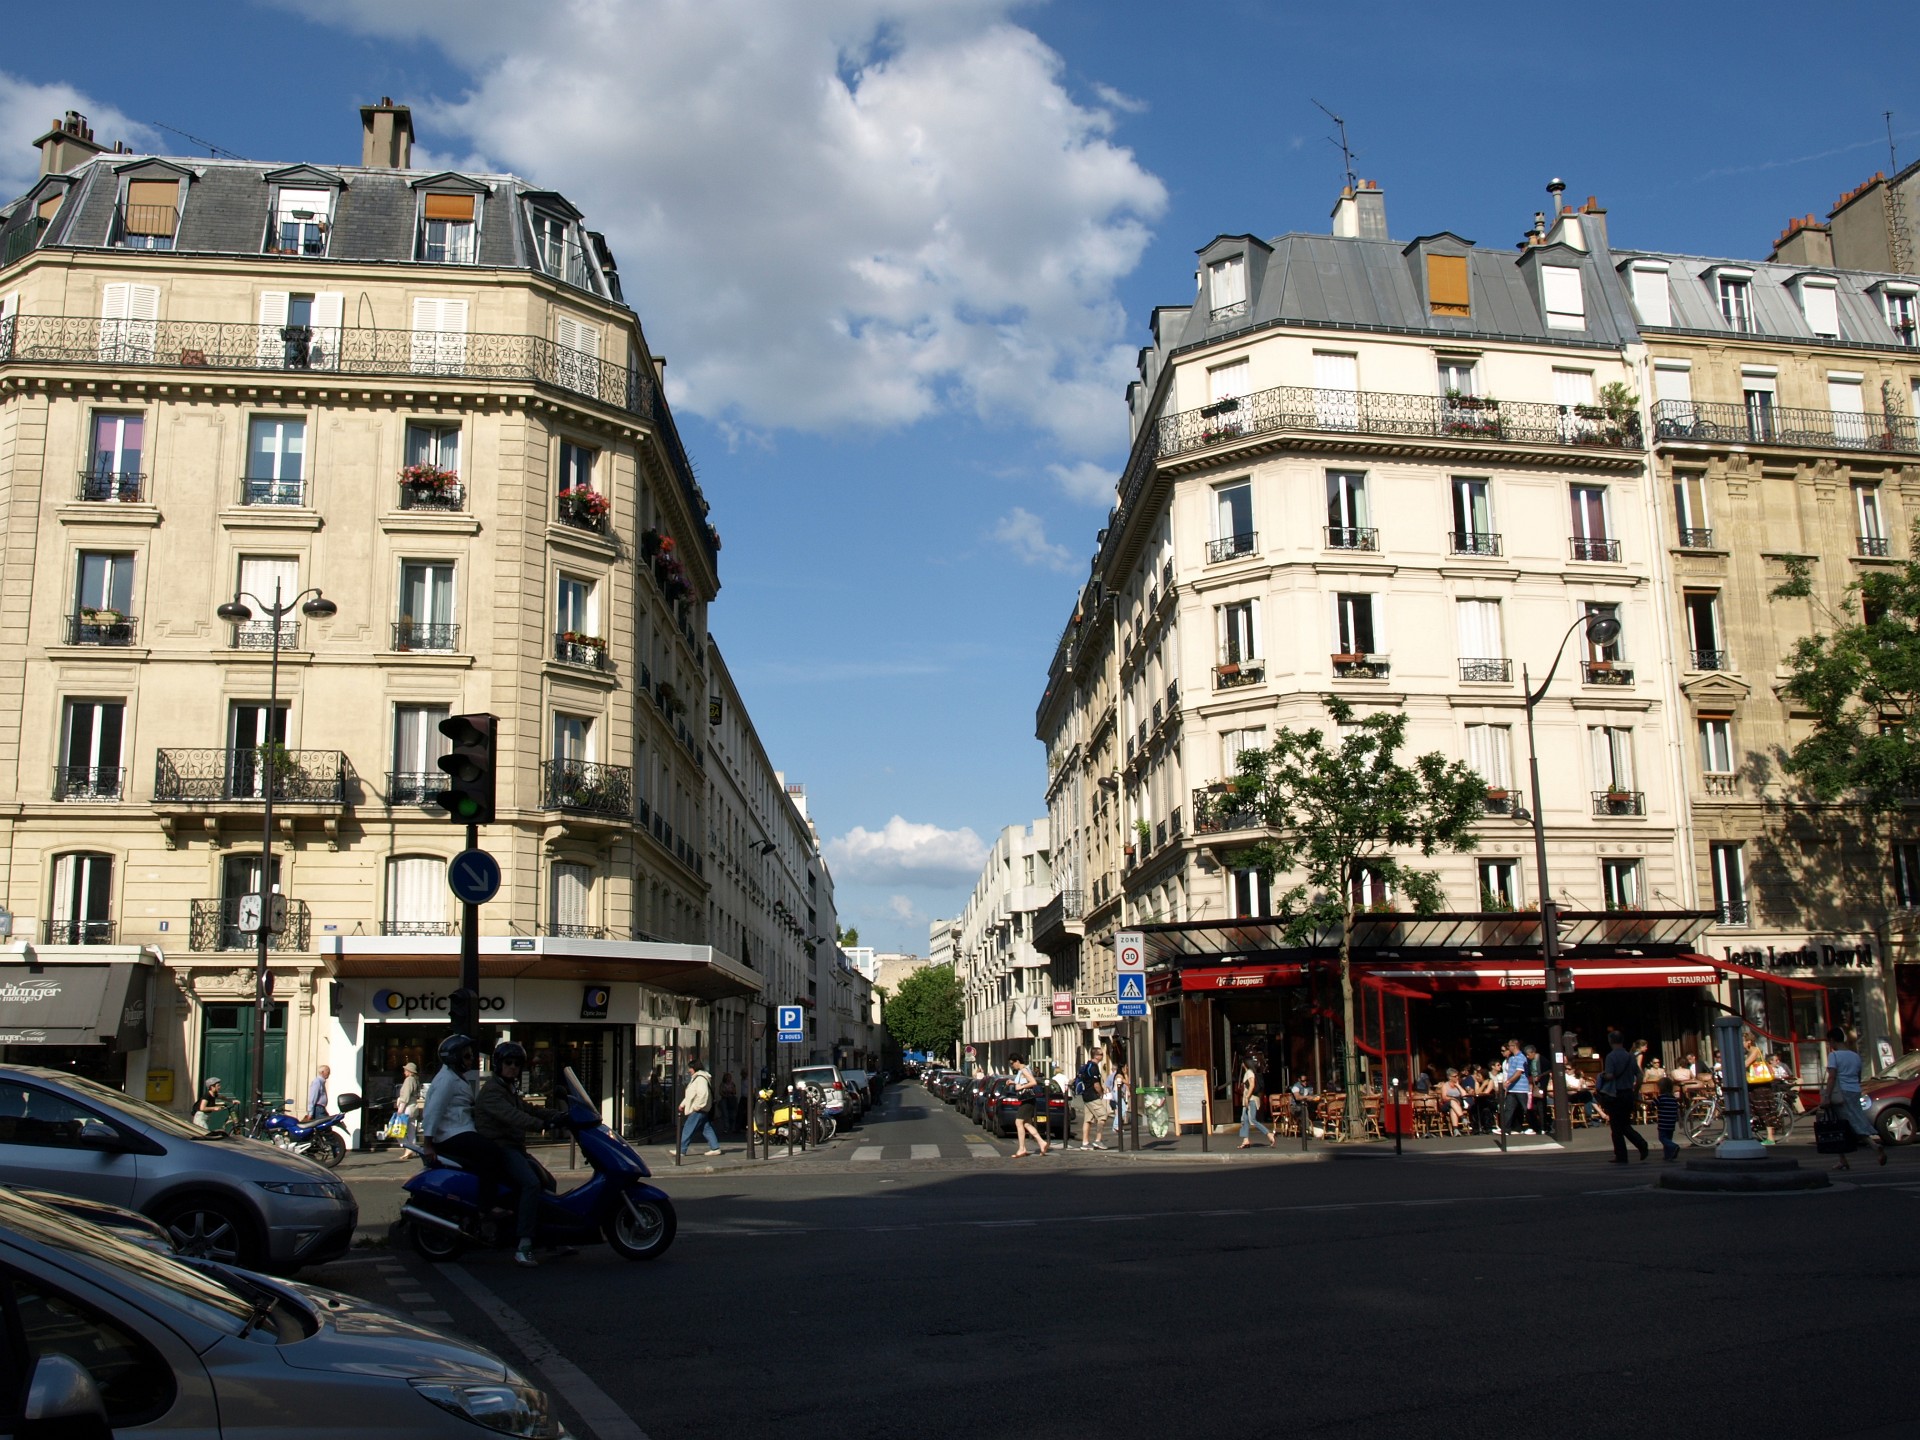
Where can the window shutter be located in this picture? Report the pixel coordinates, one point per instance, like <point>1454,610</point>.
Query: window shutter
<point>1651,297</point>
<point>127,315</point>
<point>1573,387</point>
<point>50,207</point>
<point>1377,612</point>
<point>1674,383</point>
<point>1602,757</point>
<point>1821,305</point>
<point>270,346</point>
<point>152,207</point>
<point>572,886</point>
<point>328,309</point>
<point>1253,629</point>
<point>143,302</point>
<point>439,335</point>
<point>1447,292</point>
<point>448,207</point>
<point>1563,298</point>
<point>113,300</point>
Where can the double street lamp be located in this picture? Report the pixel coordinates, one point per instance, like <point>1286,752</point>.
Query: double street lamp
<point>1602,630</point>
<point>315,606</point>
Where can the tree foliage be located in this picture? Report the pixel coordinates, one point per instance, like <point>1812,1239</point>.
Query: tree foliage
<point>1858,676</point>
<point>924,1012</point>
<point>850,937</point>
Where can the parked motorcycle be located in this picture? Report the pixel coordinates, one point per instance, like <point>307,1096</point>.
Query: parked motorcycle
<point>636,1219</point>
<point>316,1139</point>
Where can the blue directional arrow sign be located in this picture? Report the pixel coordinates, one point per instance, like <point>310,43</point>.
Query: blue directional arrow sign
<point>474,877</point>
<point>787,1018</point>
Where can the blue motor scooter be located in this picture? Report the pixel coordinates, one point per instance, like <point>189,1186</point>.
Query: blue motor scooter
<point>615,1203</point>
<point>317,1139</point>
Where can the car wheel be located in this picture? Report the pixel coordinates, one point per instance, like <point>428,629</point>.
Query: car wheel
<point>641,1229</point>
<point>1896,1125</point>
<point>211,1229</point>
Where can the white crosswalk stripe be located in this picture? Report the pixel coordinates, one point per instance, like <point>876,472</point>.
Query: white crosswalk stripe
<point>926,1152</point>
<point>870,1152</point>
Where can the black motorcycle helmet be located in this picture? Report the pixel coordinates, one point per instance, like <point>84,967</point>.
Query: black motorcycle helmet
<point>457,1051</point>
<point>510,1052</point>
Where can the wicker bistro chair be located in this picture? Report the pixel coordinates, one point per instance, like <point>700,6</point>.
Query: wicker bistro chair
<point>1280,1107</point>
<point>1333,1117</point>
<point>1370,1117</point>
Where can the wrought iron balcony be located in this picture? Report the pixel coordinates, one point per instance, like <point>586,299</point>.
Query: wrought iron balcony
<point>1360,667</point>
<point>419,927</point>
<point>562,930</point>
<point>1229,674</point>
<point>88,782</point>
<point>77,932</point>
<point>415,787</point>
<point>126,486</point>
<point>1229,547</point>
<point>300,777</point>
<point>145,227</point>
<point>1605,672</point>
<point>413,635</point>
<point>101,627</point>
<point>1500,801</point>
<point>266,490</point>
<point>1220,810</point>
<point>433,497</point>
<point>1718,421</point>
<point>1619,802</point>
<point>1352,537</point>
<point>1696,537</point>
<point>587,652</point>
<point>1710,660</point>
<point>579,514</point>
<point>1732,912</point>
<point>1585,548</point>
<point>1499,671</point>
<point>1405,417</point>
<point>22,241</point>
<point>590,788</point>
<point>258,635</point>
<point>1474,542</point>
<point>215,925</point>
<point>1874,547</point>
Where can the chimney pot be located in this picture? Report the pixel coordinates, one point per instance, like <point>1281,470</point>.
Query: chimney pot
<point>68,145</point>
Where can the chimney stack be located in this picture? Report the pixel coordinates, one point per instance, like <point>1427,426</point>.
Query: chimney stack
<point>68,145</point>
<point>386,135</point>
<point>1805,241</point>
<point>1361,212</point>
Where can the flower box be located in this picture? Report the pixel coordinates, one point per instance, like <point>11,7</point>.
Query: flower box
<point>429,478</point>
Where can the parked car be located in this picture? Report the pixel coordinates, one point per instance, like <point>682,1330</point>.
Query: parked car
<point>129,1225</point>
<point>118,1336</point>
<point>1051,1120</point>
<point>984,1094</point>
<point>1891,1102</point>
<point>861,1083</point>
<point>218,1196</point>
<point>839,1104</point>
<point>960,1093</point>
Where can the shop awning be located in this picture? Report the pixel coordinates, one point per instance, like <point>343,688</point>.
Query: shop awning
<point>1188,943</point>
<point>699,972</point>
<point>1239,977</point>
<point>1589,973</point>
<point>74,1005</point>
<point>1789,981</point>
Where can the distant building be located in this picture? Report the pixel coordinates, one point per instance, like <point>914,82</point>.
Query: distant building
<point>1005,987</point>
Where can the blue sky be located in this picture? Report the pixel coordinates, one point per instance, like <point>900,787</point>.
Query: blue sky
<point>899,254</point>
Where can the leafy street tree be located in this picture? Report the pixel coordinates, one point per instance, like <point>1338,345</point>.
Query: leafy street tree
<point>924,1013</point>
<point>1342,816</point>
<point>849,937</point>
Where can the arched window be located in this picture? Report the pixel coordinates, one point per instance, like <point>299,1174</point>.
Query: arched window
<point>416,896</point>
<point>82,912</point>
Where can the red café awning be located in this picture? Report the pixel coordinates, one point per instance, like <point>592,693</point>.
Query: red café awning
<point>1589,973</point>
<point>1239,977</point>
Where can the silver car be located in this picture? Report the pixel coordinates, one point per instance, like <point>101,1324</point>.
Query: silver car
<point>219,1196</point>
<point>116,1335</point>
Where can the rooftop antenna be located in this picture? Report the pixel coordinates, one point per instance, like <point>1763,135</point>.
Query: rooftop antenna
<point>1346,150</point>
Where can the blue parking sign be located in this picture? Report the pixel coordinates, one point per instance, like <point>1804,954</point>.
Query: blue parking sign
<point>787,1021</point>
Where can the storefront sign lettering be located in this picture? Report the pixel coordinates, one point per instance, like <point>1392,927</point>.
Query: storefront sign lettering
<point>25,992</point>
<point>395,1002</point>
<point>23,1037</point>
<point>1804,957</point>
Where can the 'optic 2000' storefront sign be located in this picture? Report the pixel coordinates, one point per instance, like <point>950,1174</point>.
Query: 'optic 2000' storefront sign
<point>386,1003</point>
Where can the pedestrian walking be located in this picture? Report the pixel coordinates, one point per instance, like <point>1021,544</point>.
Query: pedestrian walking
<point>317,1094</point>
<point>406,1105</point>
<point>1026,1089</point>
<point>1619,1086</point>
<point>1250,1071</point>
<point>1842,1093</point>
<point>1097,1110</point>
<point>1513,1072</point>
<point>729,1102</point>
<point>1537,1087</point>
<point>1666,1112</point>
<point>695,1101</point>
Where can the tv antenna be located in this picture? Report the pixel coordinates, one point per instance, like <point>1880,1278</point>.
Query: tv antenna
<point>1346,150</point>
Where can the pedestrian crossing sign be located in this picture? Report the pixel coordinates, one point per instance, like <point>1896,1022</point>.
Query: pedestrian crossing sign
<point>1133,987</point>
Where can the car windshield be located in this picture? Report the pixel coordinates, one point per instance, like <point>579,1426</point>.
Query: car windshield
<point>1905,1068</point>
<point>814,1076</point>
<point>158,1276</point>
<point>128,1108</point>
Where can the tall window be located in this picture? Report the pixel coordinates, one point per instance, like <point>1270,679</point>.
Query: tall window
<point>1820,304</point>
<point>82,901</point>
<point>1227,287</point>
<point>276,460</point>
<point>1448,292</point>
<point>115,462</point>
<point>1612,749</point>
<point>572,737</point>
<point>1232,520</point>
<point>1459,378</point>
<point>90,750</point>
<point>1356,624</point>
<point>433,444</point>
<point>1369,888</point>
<point>1490,752</point>
<point>1592,523</point>
<point>572,899</point>
<point>1473,516</point>
<point>1847,405</point>
<point>1499,885</point>
<point>1652,300</point>
<point>103,586</point>
<point>268,579</point>
<point>426,606</point>
<point>1673,388</point>
<point>301,221</point>
<point>558,253</point>
<point>1900,315</point>
<point>577,355</point>
<point>416,896</point>
<point>1239,631</point>
<point>417,748</point>
<point>1873,526</point>
<point>1703,630</point>
<point>1729,865</point>
<point>439,336</point>
<point>1736,303</point>
<point>1716,744</point>
<point>574,611</point>
<point>1603,610</point>
<point>251,726</point>
<point>1228,382</point>
<point>1232,742</point>
<point>1690,508</point>
<point>150,215</point>
<point>129,316</point>
<point>447,229</point>
<point>1349,516</point>
<point>1757,389</point>
<point>1336,390</point>
<point>576,466</point>
<point>1906,874</point>
<point>1252,895</point>
<point>1478,625</point>
<point>1620,884</point>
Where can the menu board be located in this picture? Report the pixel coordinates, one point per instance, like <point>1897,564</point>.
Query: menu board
<point>1191,1102</point>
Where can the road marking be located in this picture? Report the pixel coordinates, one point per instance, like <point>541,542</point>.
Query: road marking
<point>868,1152</point>
<point>606,1419</point>
<point>926,1152</point>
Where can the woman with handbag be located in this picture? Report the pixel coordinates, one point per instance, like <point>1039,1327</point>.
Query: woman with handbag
<point>1027,1089</point>
<point>407,1102</point>
<point>1841,1095</point>
<point>1250,1068</point>
<point>1761,1095</point>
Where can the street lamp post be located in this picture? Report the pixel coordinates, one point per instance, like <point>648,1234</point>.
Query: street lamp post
<point>1601,630</point>
<point>316,607</point>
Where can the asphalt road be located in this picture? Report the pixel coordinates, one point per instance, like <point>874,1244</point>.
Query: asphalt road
<point>1348,1294</point>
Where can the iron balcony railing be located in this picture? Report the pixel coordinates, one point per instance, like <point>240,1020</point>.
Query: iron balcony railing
<point>578,517</point>
<point>1504,802</point>
<point>589,788</point>
<point>89,782</point>
<point>566,260</point>
<point>1696,537</point>
<point>1706,420</point>
<point>1352,537</point>
<point>1876,547</point>
<point>1619,802</point>
<point>146,227</point>
<point>1710,660</point>
<point>1227,547</point>
<point>1587,548</point>
<point>413,635</point>
<point>215,925</point>
<point>99,628</point>
<point>123,485</point>
<point>20,242</point>
<point>1472,542</point>
<point>429,497</point>
<point>268,490</point>
<point>1731,912</point>
<point>415,787</point>
<point>564,930</point>
<point>1605,672</point>
<point>300,777</point>
<point>77,932</point>
<point>258,635</point>
<point>418,927</point>
<point>1361,667</point>
<point>1378,413</point>
<point>584,653</point>
<point>1217,811</point>
<point>1486,670</point>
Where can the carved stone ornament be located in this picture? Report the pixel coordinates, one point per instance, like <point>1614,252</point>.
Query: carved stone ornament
<point>235,984</point>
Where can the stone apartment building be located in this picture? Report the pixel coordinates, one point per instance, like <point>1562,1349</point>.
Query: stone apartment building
<point>422,397</point>
<point>1005,985</point>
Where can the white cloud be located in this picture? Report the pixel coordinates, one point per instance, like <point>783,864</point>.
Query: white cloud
<point>1025,535</point>
<point>903,851</point>
<point>28,111</point>
<point>1119,99</point>
<point>829,215</point>
<point>904,910</point>
<point>1085,481</point>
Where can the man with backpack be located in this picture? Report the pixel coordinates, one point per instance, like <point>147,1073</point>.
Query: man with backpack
<point>1090,1087</point>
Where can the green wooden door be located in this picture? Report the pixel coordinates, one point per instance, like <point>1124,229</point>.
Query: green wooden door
<point>226,1050</point>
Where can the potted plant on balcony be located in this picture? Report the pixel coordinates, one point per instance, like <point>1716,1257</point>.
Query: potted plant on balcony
<point>650,539</point>
<point>582,505</point>
<point>1143,834</point>
<point>1619,801</point>
<point>425,478</point>
<point>1227,669</point>
<point>1520,927</point>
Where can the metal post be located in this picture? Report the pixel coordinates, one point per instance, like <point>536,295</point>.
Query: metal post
<point>1736,1142</point>
<point>262,985</point>
<point>464,1012</point>
<point>1133,1079</point>
<point>1549,933</point>
<point>679,1121</point>
<point>1393,1099</point>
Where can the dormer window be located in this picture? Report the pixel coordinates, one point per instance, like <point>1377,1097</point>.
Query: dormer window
<point>1227,287</point>
<point>149,215</point>
<point>1898,303</point>
<point>302,220</point>
<point>1563,298</point>
<point>1735,289</point>
<point>556,246</point>
<point>1447,290</point>
<point>449,228</point>
<point>1820,304</point>
<point>1652,300</point>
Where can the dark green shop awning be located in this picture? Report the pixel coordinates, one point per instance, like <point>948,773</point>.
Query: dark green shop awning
<point>74,1005</point>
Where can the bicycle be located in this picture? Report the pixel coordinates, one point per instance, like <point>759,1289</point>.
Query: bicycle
<point>1705,1116</point>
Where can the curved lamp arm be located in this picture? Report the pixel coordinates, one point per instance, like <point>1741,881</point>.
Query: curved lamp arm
<point>1601,630</point>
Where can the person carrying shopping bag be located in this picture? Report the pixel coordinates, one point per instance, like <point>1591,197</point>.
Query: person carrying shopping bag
<point>1250,1103</point>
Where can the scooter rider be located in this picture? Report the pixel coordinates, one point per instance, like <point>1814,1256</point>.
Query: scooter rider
<point>504,1118</point>
<point>446,1125</point>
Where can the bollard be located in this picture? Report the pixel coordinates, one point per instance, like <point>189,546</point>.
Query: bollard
<point>1736,1142</point>
<point>1393,1099</point>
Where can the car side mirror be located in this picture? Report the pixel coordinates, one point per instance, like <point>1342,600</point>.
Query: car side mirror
<point>62,1403</point>
<point>97,1136</point>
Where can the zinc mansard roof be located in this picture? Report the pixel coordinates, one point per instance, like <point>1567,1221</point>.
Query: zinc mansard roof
<point>1774,290</point>
<point>226,206</point>
<point>1343,283</point>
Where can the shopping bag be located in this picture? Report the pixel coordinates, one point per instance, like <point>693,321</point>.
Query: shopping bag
<point>397,1128</point>
<point>1831,1133</point>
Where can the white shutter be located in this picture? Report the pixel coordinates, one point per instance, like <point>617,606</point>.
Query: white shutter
<point>1847,400</point>
<point>572,889</point>
<point>1563,298</point>
<point>328,310</point>
<point>1674,383</point>
<point>128,316</point>
<point>1821,305</point>
<point>577,358</point>
<point>439,336</point>
<point>113,300</point>
<point>1651,297</point>
<point>1253,630</point>
<point>1602,757</point>
<point>269,345</point>
<point>1573,387</point>
<point>1336,381</point>
<point>1621,741</point>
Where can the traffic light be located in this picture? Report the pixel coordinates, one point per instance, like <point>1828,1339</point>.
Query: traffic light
<point>468,798</point>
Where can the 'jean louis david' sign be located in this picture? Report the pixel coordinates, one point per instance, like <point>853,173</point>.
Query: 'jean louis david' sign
<point>1810,955</point>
